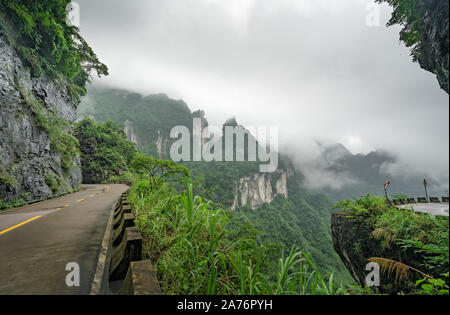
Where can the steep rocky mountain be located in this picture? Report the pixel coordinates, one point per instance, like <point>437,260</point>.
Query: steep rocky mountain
<point>275,204</point>
<point>360,174</point>
<point>44,66</point>
<point>148,120</point>
<point>406,254</point>
<point>260,188</point>
<point>434,44</point>
<point>425,29</point>
<point>31,167</point>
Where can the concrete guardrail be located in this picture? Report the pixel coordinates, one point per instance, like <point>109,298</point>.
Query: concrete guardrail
<point>128,273</point>
<point>407,201</point>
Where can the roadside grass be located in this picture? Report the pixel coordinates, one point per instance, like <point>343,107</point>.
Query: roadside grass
<point>186,240</point>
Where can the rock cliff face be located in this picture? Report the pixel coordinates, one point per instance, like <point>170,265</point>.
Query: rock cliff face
<point>435,43</point>
<point>29,167</point>
<point>129,131</point>
<point>354,243</point>
<point>260,188</point>
<point>162,146</point>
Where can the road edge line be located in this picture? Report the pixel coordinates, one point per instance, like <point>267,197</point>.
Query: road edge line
<point>103,253</point>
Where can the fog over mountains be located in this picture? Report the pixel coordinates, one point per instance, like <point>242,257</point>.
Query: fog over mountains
<point>326,168</point>
<point>313,68</point>
<point>341,174</point>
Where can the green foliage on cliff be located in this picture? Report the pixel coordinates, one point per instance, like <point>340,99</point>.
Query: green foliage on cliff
<point>148,114</point>
<point>427,235</point>
<point>409,14</point>
<point>61,139</point>
<point>6,179</point>
<point>105,151</point>
<point>58,129</point>
<point>424,234</point>
<point>47,43</point>
<point>363,206</point>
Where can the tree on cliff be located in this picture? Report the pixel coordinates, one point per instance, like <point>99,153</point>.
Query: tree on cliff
<point>426,32</point>
<point>47,43</point>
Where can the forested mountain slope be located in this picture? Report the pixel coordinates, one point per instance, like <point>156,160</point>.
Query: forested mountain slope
<point>273,205</point>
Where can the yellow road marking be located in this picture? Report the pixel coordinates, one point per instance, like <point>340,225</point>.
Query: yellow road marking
<point>92,196</point>
<point>66,205</point>
<point>17,225</point>
<point>100,192</point>
<point>82,199</point>
<point>58,209</point>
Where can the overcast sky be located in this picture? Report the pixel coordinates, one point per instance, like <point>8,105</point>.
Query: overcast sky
<point>312,67</point>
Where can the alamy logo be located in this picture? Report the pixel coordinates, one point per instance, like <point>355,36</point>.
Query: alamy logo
<point>208,144</point>
<point>73,14</point>
<point>73,277</point>
<point>373,277</point>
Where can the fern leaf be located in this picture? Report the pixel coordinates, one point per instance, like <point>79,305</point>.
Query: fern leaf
<point>391,267</point>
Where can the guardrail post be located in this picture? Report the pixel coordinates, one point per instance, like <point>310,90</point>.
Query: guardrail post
<point>140,280</point>
<point>128,273</point>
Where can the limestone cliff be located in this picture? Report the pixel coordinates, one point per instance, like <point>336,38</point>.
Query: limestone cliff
<point>130,133</point>
<point>30,166</point>
<point>162,146</point>
<point>260,188</point>
<point>434,46</point>
<point>354,242</point>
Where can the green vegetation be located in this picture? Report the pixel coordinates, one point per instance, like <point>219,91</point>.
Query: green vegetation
<point>58,129</point>
<point>6,179</point>
<point>198,246</point>
<point>430,286</point>
<point>219,178</point>
<point>157,170</point>
<point>49,48</point>
<point>47,44</point>
<point>52,182</point>
<point>61,140</point>
<point>409,14</point>
<point>105,152</point>
<point>12,204</point>
<point>363,206</point>
<point>148,114</point>
<point>302,220</point>
<point>186,238</point>
<point>425,235</point>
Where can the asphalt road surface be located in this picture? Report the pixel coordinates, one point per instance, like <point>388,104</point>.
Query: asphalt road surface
<point>39,240</point>
<point>440,208</point>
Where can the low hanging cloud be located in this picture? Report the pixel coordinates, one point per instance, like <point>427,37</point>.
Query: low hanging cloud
<point>314,68</point>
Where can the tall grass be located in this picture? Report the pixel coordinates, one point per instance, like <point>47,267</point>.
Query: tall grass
<point>185,238</point>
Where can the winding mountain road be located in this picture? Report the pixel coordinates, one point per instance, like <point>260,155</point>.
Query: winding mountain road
<point>440,208</point>
<point>39,240</point>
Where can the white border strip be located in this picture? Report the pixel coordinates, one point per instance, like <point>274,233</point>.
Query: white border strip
<point>98,278</point>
